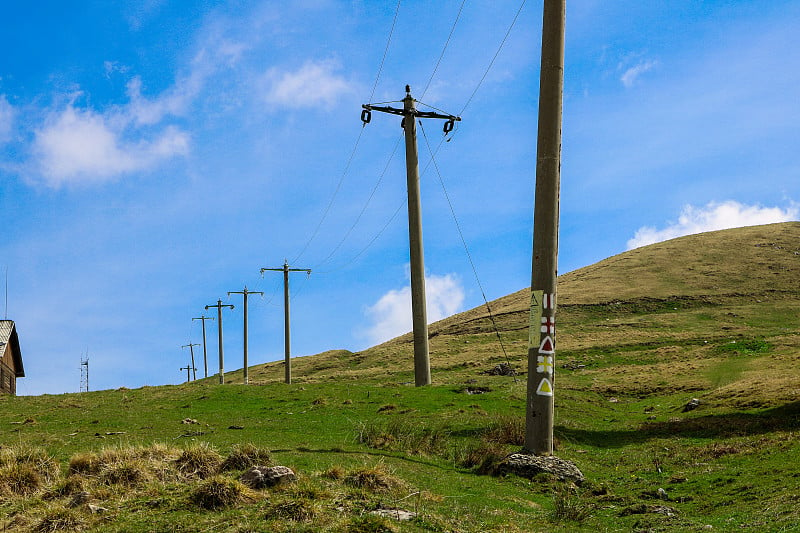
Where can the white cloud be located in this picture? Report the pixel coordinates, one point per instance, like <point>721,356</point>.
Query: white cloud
<point>76,145</point>
<point>714,216</point>
<point>390,316</point>
<point>630,76</point>
<point>314,84</point>
<point>6,119</point>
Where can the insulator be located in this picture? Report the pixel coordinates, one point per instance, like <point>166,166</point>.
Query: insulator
<point>366,116</point>
<point>448,126</point>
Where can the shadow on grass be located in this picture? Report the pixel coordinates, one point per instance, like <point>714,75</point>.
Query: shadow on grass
<point>783,418</point>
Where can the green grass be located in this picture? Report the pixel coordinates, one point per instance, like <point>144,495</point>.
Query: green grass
<point>360,438</point>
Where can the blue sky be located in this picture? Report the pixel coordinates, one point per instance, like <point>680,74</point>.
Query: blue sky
<point>155,155</point>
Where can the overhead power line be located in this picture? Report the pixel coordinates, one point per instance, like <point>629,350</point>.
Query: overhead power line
<point>466,248</point>
<point>447,42</point>
<point>491,63</point>
<point>355,146</point>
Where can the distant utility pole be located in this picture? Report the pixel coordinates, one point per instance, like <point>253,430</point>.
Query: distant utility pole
<point>422,370</point>
<point>286,335</point>
<point>191,351</point>
<point>203,319</point>
<point>188,368</point>
<point>244,294</point>
<point>219,305</point>
<point>541,354</point>
<point>85,373</point>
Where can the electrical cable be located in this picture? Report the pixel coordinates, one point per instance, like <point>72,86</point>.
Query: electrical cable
<point>333,198</point>
<point>447,42</point>
<point>466,249</point>
<point>366,204</point>
<point>491,63</point>
<point>355,147</point>
<point>385,51</point>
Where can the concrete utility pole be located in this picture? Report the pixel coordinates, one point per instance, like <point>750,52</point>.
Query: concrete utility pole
<point>286,336</point>
<point>191,351</point>
<point>422,370</point>
<point>202,319</point>
<point>219,305</point>
<point>245,292</point>
<point>541,354</point>
<point>187,368</point>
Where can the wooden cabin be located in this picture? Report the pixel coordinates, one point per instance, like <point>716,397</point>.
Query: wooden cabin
<point>10,358</point>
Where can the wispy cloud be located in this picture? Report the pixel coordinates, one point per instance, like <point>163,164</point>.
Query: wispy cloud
<point>6,119</point>
<point>390,316</point>
<point>82,146</point>
<point>714,216</point>
<point>632,74</point>
<point>314,84</point>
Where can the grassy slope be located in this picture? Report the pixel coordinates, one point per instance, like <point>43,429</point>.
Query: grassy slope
<point>711,316</point>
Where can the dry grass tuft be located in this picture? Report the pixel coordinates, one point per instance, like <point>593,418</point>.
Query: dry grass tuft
<point>21,479</point>
<point>128,473</point>
<point>336,473</point>
<point>25,469</point>
<point>199,460</point>
<point>506,429</point>
<point>296,509</point>
<point>482,456</point>
<point>244,456</point>
<point>85,463</point>
<point>220,492</point>
<point>371,523</point>
<point>377,479</point>
<point>59,519</point>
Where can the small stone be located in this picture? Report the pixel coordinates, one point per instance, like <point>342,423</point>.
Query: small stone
<point>691,405</point>
<point>95,509</point>
<point>397,514</point>
<point>526,465</point>
<point>259,477</point>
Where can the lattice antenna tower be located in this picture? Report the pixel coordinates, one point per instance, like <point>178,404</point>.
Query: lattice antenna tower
<point>85,373</point>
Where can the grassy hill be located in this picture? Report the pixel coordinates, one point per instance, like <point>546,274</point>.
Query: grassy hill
<point>713,317</point>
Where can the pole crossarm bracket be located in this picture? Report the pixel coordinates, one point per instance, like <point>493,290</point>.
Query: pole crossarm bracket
<point>405,113</point>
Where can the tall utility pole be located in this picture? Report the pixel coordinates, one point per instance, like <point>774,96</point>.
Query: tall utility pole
<point>541,354</point>
<point>422,370</point>
<point>191,351</point>
<point>219,305</point>
<point>245,292</point>
<point>286,336</point>
<point>202,319</point>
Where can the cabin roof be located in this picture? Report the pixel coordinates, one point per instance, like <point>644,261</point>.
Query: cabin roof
<point>8,336</point>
